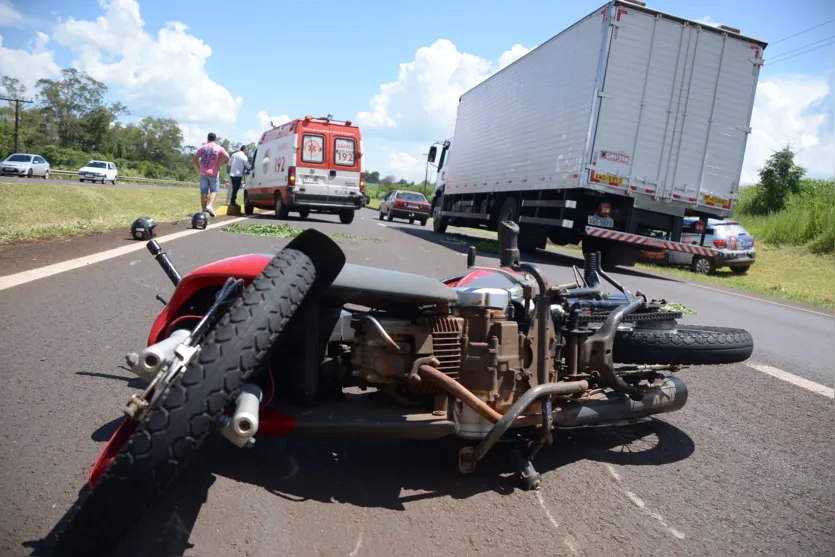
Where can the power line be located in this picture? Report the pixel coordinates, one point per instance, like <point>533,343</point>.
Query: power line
<point>769,63</point>
<point>801,32</point>
<point>16,119</point>
<point>799,48</point>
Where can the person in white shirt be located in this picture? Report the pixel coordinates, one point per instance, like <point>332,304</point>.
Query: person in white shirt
<point>238,164</point>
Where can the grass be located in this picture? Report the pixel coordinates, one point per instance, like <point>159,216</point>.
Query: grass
<point>288,231</point>
<point>808,220</point>
<point>40,211</point>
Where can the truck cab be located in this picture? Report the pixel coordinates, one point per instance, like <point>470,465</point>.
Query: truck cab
<point>308,165</point>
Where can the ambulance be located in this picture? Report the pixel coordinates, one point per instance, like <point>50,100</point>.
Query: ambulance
<point>307,165</point>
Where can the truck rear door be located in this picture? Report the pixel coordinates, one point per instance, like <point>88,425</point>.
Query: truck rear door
<point>675,110</point>
<point>344,174</point>
<point>312,169</point>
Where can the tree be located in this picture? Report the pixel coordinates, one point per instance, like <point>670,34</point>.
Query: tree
<point>13,88</point>
<point>388,180</point>
<point>779,178</point>
<point>372,177</point>
<point>68,100</point>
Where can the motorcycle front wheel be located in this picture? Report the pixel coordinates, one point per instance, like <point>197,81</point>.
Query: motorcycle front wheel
<point>160,446</point>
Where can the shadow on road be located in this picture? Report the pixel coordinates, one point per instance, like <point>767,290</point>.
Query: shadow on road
<point>461,242</point>
<point>374,474</point>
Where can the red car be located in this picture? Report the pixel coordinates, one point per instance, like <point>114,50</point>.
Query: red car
<point>403,204</point>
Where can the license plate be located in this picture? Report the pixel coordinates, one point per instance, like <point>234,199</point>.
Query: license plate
<point>309,180</point>
<point>413,206</point>
<point>605,222</point>
<point>713,199</point>
<point>610,179</point>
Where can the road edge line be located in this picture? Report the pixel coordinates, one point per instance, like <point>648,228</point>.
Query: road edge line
<point>24,277</point>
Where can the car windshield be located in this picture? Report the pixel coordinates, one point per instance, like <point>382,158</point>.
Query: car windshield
<point>19,158</point>
<point>96,164</point>
<point>411,196</point>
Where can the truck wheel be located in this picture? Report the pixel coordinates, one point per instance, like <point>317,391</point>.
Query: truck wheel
<point>439,222</point>
<point>281,210</point>
<point>703,265</point>
<point>159,448</point>
<point>346,216</point>
<point>685,345</point>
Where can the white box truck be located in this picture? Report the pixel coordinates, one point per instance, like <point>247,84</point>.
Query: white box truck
<point>608,135</point>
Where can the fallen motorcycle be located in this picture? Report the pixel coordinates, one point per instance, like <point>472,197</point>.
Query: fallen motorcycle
<point>303,344</point>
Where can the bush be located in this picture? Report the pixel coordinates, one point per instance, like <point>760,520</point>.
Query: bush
<point>807,219</point>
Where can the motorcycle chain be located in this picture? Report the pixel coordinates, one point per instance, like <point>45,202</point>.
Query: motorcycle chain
<point>600,316</point>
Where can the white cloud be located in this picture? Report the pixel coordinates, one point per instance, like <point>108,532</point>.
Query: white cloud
<point>30,64</point>
<point>794,110</point>
<point>510,56</point>
<point>405,165</point>
<point>707,20</point>
<point>421,104</point>
<point>165,75</point>
<point>263,118</point>
<point>9,15</point>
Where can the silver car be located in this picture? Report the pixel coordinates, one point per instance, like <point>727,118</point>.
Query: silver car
<point>734,243</point>
<point>25,164</point>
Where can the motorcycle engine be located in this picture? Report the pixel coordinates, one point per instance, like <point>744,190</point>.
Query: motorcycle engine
<point>477,343</point>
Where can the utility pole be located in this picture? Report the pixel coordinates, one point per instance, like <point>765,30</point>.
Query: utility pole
<point>16,119</point>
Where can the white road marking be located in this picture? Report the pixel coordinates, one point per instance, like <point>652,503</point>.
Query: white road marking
<point>759,299</point>
<point>553,521</point>
<point>793,379</point>
<point>357,547</point>
<point>638,502</point>
<point>17,279</point>
<point>381,224</point>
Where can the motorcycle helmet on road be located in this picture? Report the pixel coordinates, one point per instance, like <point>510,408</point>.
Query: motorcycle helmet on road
<point>199,220</point>
<point>143,228</point>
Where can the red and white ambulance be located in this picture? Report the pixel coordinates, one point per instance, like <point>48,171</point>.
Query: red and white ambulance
<point>307,165</point>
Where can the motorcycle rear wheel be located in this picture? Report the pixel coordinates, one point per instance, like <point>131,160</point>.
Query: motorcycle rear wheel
<point>684,345</point>
<point>174,429</point>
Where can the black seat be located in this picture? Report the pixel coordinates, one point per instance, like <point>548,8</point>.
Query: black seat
<point>382,289</point>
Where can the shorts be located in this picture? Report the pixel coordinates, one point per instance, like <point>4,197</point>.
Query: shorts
<point>209,183</point>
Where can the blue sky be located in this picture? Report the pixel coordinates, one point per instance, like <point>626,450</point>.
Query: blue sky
<point>231,68</point>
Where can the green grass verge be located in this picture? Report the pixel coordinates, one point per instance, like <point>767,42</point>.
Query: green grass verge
<point>39,211</point>
<point>788,273</point>
<point>288,231</point>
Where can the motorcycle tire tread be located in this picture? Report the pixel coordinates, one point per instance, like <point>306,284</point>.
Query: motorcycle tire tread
<point>159,448</point>
<point>686,345</point>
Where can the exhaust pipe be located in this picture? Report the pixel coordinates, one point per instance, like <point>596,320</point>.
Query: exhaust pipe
<point>618,407</point>
<point>243,425</point>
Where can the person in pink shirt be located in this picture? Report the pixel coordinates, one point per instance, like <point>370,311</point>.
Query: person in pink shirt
<point>208,159</point>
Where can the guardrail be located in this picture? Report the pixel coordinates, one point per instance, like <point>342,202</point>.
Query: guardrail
<point>129,178</point>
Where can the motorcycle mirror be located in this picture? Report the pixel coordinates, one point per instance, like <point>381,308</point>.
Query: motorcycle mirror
<point>471,257</point>
<point>508,244</point>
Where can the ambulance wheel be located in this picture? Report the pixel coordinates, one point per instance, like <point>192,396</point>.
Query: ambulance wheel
<point>248,208</point>
<point>346,216</point>
<point>281,210</point>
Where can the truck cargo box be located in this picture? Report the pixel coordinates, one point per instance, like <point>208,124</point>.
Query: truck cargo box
<point>628,100</point>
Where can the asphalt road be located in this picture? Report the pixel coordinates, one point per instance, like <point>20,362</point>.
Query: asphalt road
<point>744,468</point>
<point>75,182</point>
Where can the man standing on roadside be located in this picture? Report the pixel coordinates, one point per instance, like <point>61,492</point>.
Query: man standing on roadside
<point>208,159</point>
<point>238,164</point>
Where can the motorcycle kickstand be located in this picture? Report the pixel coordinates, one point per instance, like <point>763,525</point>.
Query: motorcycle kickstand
<point>530,478</point>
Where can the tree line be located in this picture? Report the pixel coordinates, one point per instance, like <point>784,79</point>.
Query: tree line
<point>70,124</point>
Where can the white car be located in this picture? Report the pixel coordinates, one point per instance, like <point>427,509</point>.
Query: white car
<point>25,164</point>
<point>98,171</point>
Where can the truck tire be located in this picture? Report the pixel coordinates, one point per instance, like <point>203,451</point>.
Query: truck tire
<point>439,223</point>
<point>509,211</point>
<point>685,345</point>
<point>346,216</point>
<point>160,447</point>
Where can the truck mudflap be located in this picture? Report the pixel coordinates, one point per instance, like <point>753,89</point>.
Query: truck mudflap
<point>646,241</point>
